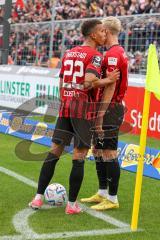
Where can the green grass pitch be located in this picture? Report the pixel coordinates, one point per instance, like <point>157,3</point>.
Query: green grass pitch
<point>15,195</point>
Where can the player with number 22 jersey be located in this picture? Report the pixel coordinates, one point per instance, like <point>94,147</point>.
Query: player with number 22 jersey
<point>74,96</point>
<point>79,77</point>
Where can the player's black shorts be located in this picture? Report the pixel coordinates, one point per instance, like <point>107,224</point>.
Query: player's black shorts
<point>68,128</point>
<point>112,121</point>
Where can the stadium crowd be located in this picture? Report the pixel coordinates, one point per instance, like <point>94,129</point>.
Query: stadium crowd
<point>33,42</point>
<point>40,10</point>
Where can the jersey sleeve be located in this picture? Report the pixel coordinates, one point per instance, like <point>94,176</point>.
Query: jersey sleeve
<point>104,75</point>
<point>124,76</point>
<point>61,71</point>
<point>112,61</point>
<point>62,67</point>
<point>94,65</point>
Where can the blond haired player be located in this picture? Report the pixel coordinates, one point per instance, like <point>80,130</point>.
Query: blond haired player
<point>107,165</point>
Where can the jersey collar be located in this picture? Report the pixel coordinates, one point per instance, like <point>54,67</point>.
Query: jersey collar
<point>112,46</point>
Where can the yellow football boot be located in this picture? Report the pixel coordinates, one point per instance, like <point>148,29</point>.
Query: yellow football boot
<point>105,205</point>
<point>93,199</point>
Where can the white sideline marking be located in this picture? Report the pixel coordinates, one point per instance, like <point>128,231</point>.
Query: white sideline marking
<point>104,217</point>
<point>15,237</point>
<point>27,233</point>
<point>18,177</point>
<point>68,234</point>
<point>84,233</point>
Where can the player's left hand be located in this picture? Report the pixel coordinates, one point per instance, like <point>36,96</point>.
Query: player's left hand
<point>113,76</point>
<point>99,127</point>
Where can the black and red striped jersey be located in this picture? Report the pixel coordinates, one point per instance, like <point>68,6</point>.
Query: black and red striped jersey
<point>75,99</point>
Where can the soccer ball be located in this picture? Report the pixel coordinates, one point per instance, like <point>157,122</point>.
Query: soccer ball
<point>55,195</point>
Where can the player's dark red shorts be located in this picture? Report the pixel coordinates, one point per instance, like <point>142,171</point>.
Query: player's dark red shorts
<point>76,128</point>
<point>112,121</point>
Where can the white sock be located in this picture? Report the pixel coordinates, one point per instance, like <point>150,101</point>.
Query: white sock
<point>38,196</point>
<point>103,192</point>
<point>71,203</point>
<point>113,199</point>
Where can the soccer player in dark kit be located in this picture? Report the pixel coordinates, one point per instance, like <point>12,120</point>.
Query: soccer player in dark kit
<point>79,79</point>
<point>111,116</point>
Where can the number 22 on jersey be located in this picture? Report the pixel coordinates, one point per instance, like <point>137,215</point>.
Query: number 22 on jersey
<point>75,71</point>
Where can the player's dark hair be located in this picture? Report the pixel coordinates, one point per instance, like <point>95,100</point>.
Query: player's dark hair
<point>88,26</point>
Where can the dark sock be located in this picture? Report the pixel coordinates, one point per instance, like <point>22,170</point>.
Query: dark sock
<point>113,175</point>
<point>101,172</point>
<point>76,178</point>
<point>47,172</point>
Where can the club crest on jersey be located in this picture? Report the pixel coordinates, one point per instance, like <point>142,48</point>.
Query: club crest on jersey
<point>112,61</point>
<point>96,61</point>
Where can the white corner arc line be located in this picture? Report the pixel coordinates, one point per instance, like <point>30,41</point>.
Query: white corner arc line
<point>23,228</point>
<point>104,217</point>
<point>27,233</point>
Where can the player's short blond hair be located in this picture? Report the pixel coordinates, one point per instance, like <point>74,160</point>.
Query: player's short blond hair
<point>113,24</point>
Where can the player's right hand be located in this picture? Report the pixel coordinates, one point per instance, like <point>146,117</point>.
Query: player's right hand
<point>113,76</point>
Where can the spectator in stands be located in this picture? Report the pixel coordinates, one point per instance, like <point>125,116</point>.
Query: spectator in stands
<point>10,60</point>
<point>54,62</point>
<point>136,63</point>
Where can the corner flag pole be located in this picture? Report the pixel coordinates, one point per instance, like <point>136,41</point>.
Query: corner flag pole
<point>143,138</point>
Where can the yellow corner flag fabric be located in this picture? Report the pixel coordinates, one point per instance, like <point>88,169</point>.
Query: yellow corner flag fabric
<point>153,74</point>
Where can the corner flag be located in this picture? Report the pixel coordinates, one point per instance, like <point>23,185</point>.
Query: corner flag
<point>153,74</point>
<point>152,85</point>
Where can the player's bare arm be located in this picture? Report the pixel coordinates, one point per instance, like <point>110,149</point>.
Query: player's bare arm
<point>106,99</point>
<point>91,81</point>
